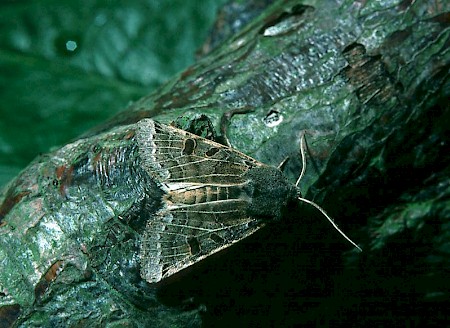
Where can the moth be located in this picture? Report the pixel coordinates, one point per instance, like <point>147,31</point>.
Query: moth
<point>213,196</point>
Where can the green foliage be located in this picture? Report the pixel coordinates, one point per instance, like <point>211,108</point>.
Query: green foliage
<point>68,65</point>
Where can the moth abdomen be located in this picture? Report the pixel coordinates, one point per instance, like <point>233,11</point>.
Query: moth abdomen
<point>197,193</point>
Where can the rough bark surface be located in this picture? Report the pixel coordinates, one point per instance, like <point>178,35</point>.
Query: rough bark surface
<point>368,82</point>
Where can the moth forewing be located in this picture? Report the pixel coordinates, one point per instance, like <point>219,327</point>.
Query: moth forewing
<point>174,155</point>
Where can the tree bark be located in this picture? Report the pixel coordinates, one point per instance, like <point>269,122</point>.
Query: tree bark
<point>368,84</point>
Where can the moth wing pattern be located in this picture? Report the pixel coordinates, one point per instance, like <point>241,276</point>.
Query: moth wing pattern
<point>172,155</point>
<point>204,207</point>
<point>177,238</point>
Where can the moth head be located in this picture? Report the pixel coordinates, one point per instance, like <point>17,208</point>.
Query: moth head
<point>270,192</point>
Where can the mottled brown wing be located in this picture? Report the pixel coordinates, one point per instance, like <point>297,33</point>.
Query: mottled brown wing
<point>181,236</point>
<point>172,155</point>
<point>205,205</point>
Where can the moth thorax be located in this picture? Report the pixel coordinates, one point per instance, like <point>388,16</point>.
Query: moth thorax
<point>270,192</point>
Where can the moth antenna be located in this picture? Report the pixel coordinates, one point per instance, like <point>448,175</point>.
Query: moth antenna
<point>283,163</point>
<point>331,221</point>
<point>302,173</point>
<point>302,152</point>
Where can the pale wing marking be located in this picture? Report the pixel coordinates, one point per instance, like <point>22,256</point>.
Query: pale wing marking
<point>196,185</point>
<point>200,157</point>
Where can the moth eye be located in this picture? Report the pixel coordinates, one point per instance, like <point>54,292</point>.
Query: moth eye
<point>215,237</point>
<point>189,146</point>
<point>194,245</point>
<point>212,151</point>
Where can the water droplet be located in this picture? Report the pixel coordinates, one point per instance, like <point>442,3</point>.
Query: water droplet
<point>67,44</point>
<point>71,45</point>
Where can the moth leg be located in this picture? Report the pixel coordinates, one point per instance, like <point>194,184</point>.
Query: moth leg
<point>225,122</point>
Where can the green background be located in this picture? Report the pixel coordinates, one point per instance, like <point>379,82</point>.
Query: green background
<point>124,50</point>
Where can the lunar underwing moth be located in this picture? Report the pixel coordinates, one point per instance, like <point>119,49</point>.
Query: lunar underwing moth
<point>213,196</point>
